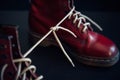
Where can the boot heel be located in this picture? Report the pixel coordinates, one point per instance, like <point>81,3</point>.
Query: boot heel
<point>45,43</point>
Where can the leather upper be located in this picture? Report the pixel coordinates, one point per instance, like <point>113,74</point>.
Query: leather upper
<point>89,43</point>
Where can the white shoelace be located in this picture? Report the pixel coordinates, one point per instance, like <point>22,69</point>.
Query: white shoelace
<point>78,17</point>
<point>22,72</point>
<point>81,17</point>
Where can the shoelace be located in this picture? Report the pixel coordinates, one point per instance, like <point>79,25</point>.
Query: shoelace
<point>23,72</point>
<point>78,16</point>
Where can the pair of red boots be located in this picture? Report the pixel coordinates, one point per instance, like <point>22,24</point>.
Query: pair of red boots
<point>55,22</point>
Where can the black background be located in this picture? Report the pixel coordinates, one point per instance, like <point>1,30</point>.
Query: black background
<point>50,61</point>
<point>84,5</point>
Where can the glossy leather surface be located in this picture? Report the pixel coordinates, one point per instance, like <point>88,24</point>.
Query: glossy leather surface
<point>90,44</point>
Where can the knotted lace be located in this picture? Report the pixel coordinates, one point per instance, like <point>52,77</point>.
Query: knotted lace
<point>78,17</point>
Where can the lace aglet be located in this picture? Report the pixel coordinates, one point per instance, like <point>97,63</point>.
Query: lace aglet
<point>101,29</point>
<point>72,64</point>
<point>71,61</point>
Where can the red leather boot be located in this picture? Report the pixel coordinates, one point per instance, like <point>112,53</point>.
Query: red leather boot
<point>14,65</point>
<point>56,22</point>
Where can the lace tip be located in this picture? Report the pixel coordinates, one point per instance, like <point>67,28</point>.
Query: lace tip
<point>75,36</point>
<point>73,64</point>
<point>101,29</point>
<point>41,77</point>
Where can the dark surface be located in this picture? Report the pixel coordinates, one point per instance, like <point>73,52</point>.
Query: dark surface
<point>50,61</point>
<point>84,5</point>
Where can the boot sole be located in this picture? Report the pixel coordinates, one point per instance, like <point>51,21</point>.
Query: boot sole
<point>92,61</point>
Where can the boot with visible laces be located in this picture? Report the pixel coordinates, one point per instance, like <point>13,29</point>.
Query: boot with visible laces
<point>14,65</point>
<point>56,22</point>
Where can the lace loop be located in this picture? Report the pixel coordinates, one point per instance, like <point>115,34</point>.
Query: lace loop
<point>32,67</point>
<point>24,71</point>
<point>22,60</point>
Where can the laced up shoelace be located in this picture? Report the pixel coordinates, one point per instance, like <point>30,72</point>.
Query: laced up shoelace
<point>82,18</point>
<point>78,17</point>
<point>24,71</point>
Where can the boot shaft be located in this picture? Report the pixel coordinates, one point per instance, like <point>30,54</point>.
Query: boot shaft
<point>50,9</point>
<point>51,5</point>
<point>46,13</point>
